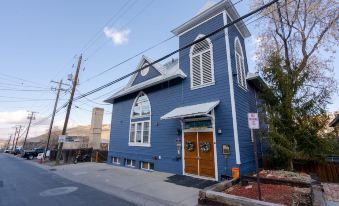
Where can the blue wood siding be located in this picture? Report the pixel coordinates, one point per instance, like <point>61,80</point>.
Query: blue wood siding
<point>162,98</point>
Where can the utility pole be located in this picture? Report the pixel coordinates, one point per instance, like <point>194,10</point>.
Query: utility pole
<point>16,142</point>
<point>54,111</point>
<point>30,117</point>
<point>75,82</point>
<point>9,142</point>
<point>16,130</point>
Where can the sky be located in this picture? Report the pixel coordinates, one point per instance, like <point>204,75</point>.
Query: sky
<point>41,41</point>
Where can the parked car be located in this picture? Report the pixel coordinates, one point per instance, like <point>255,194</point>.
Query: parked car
<point>30,154</point>
<point>7,151</point>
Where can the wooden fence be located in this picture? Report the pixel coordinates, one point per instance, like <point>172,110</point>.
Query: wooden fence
<point>327,172</point>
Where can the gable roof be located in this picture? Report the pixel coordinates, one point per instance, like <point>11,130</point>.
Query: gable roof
<point>168,72</point>
<point>142,61</point>
<point>211,11</point>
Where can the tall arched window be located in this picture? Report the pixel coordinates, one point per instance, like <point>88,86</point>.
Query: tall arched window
<point>240,65</point>
<point>202,71</point>
<point>140,125</point>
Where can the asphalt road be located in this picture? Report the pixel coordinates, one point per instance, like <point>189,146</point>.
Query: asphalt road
<point>22,183</point>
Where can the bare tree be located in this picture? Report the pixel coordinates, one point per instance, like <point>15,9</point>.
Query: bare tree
<point>296,43</point>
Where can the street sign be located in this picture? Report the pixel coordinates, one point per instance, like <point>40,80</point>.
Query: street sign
<point>62,138</point>
<point>253,120</point>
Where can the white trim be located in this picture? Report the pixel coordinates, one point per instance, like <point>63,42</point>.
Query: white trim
<point>149,165</point>
<point>157,66</point>
<point>230,79</point>
<point>117,162</point>
<point>215,147</point>
<point>131,165</point>
<point>198,24</point>
<point>141,144</point>
<point>222,6</point>
<point>201,71</point>
<point>182,146</point>
<point>212,130</point>
<point>135,100</point>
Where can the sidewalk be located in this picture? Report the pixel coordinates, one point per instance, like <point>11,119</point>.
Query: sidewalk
<point>137,186</point>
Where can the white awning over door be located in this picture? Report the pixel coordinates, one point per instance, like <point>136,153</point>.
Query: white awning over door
<point>191,110</point>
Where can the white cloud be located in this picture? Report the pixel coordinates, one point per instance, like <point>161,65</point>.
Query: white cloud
<point>118,37</point>
<point>16,117</point>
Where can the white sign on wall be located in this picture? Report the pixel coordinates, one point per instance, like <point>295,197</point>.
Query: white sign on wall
<point>62,138</point>
<point>253,120</point>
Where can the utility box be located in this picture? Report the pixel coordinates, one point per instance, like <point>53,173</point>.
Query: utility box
<point>96,128</point>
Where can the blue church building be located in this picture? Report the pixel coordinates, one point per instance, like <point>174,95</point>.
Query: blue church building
<point>189,116</point>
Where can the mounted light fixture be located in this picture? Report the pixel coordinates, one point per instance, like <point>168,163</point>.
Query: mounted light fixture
<point>219,131</point>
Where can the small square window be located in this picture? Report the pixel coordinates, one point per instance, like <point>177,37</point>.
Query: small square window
<point>130,163</point>
<point>116,160</point>
<point>147,165</point>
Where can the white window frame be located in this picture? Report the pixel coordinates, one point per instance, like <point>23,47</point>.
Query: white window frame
<point>135,143</point>
<point>141,116</point>
<point>148,166</point>
<point>201,72</point>
<point>242,84</point>
<point>130,165</point>
<point>116,162</point>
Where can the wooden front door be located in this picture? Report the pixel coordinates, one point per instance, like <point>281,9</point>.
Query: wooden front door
<point>197,161</point>
<point>191,157</point>
<point>206,158</point>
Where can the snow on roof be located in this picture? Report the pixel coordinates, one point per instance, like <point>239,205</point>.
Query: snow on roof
<point>191,110</point>
<point>171,71</point>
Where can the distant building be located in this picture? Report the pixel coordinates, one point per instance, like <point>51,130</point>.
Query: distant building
<point>335,124</point>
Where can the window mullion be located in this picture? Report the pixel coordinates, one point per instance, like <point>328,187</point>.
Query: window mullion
<point>201,70</point>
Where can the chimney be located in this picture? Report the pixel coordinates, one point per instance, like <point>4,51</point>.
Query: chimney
<point>96,127</point>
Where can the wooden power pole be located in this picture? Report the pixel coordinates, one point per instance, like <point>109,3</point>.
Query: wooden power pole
<point>9,142</point>
<point>18,133</point>
<point>69,107</point>
<point>30,117</point>
<point>54,111</point>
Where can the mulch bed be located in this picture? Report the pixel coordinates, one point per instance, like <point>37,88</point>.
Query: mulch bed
<point>280,194</point>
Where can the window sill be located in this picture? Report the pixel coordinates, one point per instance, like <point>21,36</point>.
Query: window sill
<point>202,86</point>
<point>139,145</point>
<point>129,166</point>
<point>114,163</point>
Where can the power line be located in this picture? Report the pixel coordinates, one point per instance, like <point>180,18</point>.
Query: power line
<point>25,80</point>
<point>130,21</point>
<point>141,52</point>
<point>178,50</point>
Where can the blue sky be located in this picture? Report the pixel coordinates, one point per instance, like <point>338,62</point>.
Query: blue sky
<point>40,41</point>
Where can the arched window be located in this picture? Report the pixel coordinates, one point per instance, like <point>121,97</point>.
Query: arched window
<point>202,71</point>
<point>140,121</point>
<point>240,65</point>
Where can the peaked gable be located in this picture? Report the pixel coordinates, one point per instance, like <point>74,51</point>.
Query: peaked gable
<point>147,73</point>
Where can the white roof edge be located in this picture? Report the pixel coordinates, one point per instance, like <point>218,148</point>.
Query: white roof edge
<point>191,110</point>
<point>146,84</point>
<point>218,7</point>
